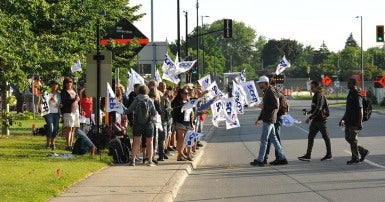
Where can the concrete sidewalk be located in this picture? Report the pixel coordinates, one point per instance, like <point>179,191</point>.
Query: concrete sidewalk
<point>139,183</point>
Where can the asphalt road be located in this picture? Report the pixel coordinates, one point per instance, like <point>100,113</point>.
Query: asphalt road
<point>224,173</point>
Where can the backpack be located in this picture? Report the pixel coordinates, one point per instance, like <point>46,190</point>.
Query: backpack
<point>119,150</point>
<point>142,112</point>
<point>325,107</point>
<point>81,146</point>
<point>366,107</point>
<point>283,105</point>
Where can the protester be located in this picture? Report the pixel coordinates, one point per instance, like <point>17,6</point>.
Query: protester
<point>86,110</point>
<point>165,106</point>
<point>53,117</point>
<point>317,119</point>
<point>139,129</point>
<point>268,116</point>
<point>182,122</point>
<point>70,111</point>
<point>37,93</point>
<point>283,109</point>
<point>156,103</point>
<point>128,102</point>
<point>352,121</point>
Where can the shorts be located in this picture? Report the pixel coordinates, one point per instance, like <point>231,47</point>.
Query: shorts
<point>139,130</point>
<point>183,126</point>
<point>71,120</point>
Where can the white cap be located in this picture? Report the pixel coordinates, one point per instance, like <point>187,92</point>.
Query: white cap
<point>263,79</point>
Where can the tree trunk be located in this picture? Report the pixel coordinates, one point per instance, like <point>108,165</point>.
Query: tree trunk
<point>4,108</point>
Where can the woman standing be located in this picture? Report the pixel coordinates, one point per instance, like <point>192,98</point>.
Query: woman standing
<point>52,118</point>
<point>70,111</point>
<point>182,122</point>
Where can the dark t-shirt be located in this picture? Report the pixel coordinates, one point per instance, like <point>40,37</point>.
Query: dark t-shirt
<point>353,107</point>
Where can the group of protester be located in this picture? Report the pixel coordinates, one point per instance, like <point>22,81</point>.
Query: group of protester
<point>165,103</point>
<point>67,104</point>
<point>274,105</point>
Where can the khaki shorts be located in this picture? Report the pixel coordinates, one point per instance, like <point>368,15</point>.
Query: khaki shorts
<point>71,119</point>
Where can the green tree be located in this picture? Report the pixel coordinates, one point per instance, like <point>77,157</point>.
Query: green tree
<point>350,41</point>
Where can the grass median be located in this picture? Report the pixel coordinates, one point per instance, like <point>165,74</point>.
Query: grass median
<point>31,172</point>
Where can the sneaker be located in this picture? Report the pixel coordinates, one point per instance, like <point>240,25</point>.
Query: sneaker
<point>265,161</point>
<point>150,163</point>
<point>327,158</point>
<point>170,149</point>
<point>165,156</point>
<point>199,144</point>
<point>277,162</point>
<point>363,155</point>
<point>160,159</point>
<point>154,161</point>
<point>353,161</point>
<point>132,163</point>
<point>257,163</point>
<point>304,158</point>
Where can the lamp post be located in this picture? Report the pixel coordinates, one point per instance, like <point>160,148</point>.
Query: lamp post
<point>362,58</point>
<point>186,17</point>
<point>99,57</point>
<point>203,45</point>
<point>197,7</point>
<point>178,29</point>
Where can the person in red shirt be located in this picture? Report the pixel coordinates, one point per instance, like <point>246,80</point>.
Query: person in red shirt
<point>86,110</point>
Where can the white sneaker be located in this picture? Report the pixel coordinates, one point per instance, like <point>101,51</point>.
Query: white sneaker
<point>150,163</point>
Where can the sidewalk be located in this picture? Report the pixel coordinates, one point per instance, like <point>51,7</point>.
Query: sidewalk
<point>139,183</point>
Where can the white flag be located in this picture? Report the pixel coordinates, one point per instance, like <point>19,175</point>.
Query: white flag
<point>190,104</point>
<point>283,64</point>
<point>76,67</point>
<point>157,76</point>
<point>184,66</point>
<point>112,102</point>
<point>288,120</point>
<point>168,65</point>
<point>130,85</point>
<point>241,77</point>
<point>252,97</point>
<point>231,113</point>
<point>190,138</point>
<point>44,105</point>
<point>240,96</point>
<point>205,82</point>
<point>217,109</point>
<point>214,90</point>
<point>136,78</point>
<point>170,76</point>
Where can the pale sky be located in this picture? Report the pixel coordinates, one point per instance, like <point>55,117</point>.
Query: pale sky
<point>307,21</point>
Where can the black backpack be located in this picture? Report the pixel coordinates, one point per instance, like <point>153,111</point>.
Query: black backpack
<point>326,107</point>
<point>142,112</point>
<point>367,108</point>
<point>119,150</point>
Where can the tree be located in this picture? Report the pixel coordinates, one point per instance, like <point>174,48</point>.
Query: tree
<point>350,41</point>
<point>45,37</point>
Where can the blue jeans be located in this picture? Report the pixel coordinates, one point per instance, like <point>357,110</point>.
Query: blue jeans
<point>277,127</point>
<point>83,135</point>
<point>52,121</point>
<point>268,132</point>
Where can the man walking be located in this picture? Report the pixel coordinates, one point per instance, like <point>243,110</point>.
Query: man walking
<point>352,120</point>
<point>318,118</point>
<point>268,116</point>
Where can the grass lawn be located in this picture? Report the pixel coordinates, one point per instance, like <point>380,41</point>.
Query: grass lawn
<point>29,173</point>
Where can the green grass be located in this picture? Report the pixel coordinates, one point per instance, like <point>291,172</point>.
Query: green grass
<point>29,174</point>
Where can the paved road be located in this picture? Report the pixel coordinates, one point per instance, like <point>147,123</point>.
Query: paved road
<point>224,173</point>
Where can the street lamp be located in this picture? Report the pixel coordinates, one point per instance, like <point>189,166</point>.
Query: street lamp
<point>197,7</point>
<point>362,58</point>
<point>99,57</point>
<point>203,45</point>
<point>178,29</point>
<point>186,17</point>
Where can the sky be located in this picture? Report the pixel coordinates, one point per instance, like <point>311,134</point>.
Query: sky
<point>309,22</point>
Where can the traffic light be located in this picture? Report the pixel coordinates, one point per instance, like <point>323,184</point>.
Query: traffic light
<point>227,28</point>
<point>380,33</point>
